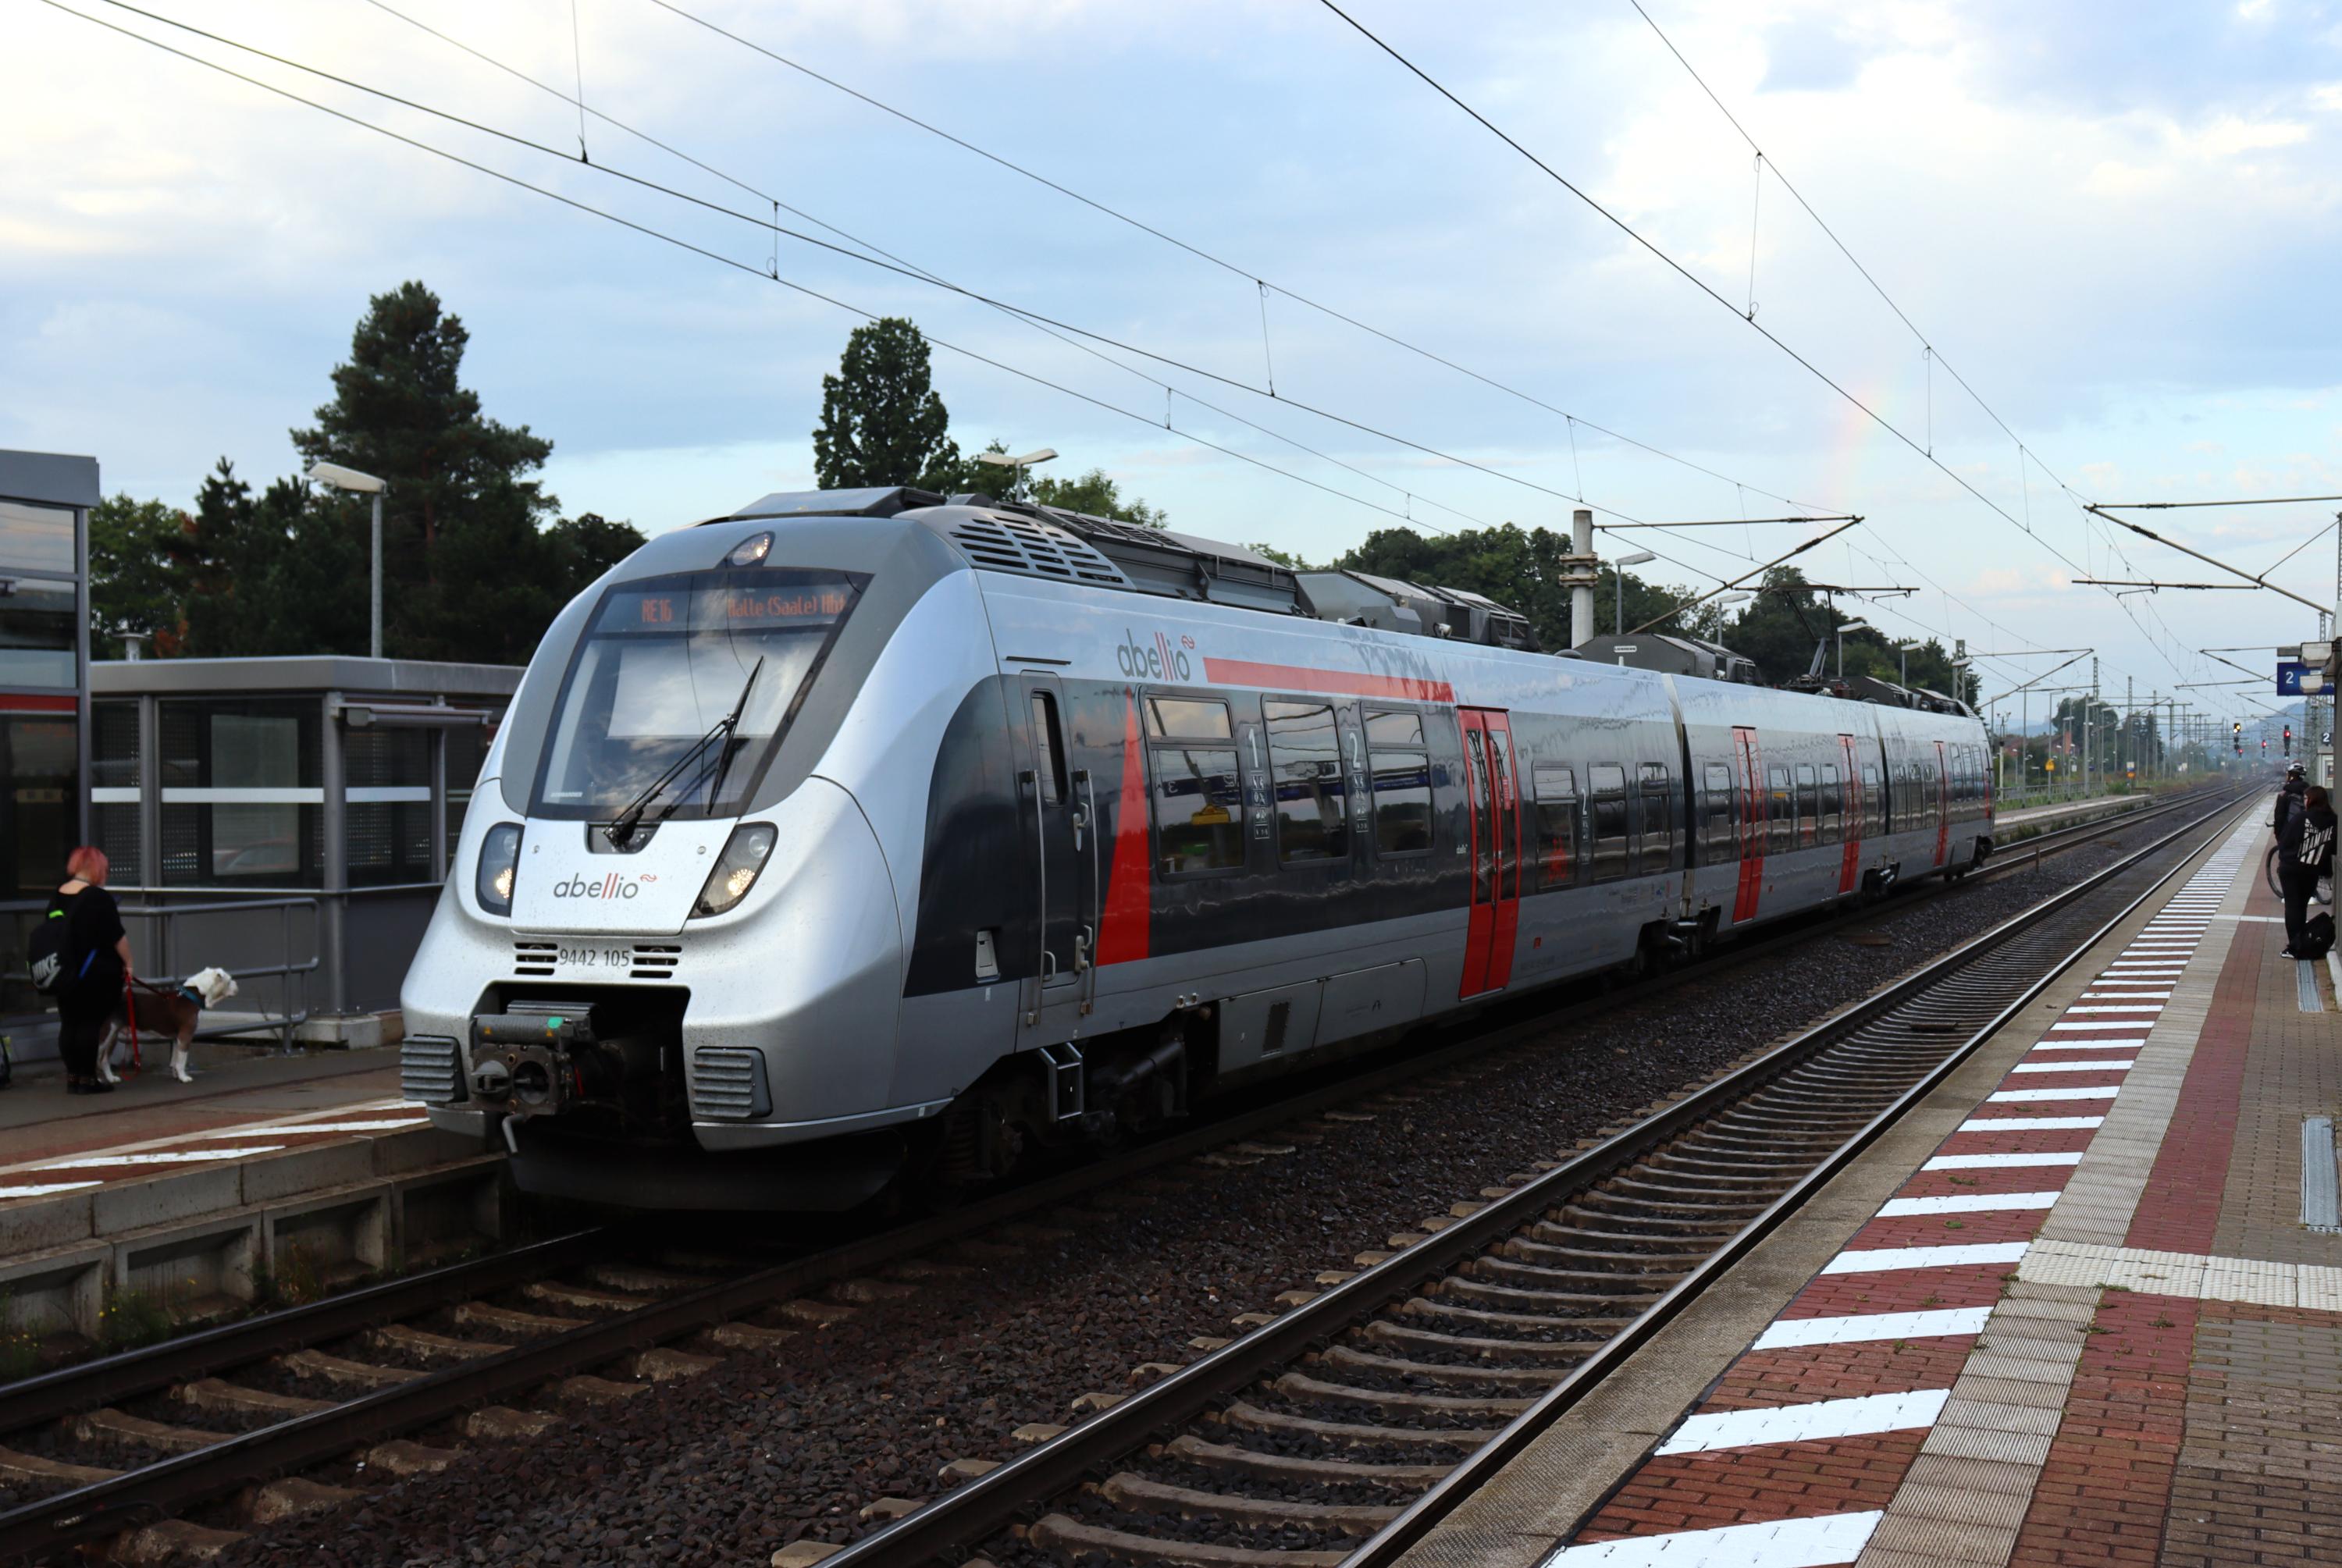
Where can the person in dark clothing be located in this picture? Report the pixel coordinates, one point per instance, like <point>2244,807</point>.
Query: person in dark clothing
<point>2288,797</point>
<point>2305,853</point>
<point>97,956</point>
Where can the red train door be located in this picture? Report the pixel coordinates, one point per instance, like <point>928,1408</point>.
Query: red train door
<point>1850,866</point>
<point>1493,795</point>
<point>1943,808</point>
<point>1752,825</point>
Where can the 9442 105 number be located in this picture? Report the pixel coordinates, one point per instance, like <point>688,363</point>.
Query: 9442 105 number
<point>595,957</point>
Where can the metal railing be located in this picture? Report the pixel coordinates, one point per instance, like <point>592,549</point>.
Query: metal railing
<point>283,1023</point>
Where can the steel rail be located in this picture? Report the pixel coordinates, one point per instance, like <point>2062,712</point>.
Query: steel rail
<point>162,1488</point>
<point>71,1390</point>
<point>963,1518</point>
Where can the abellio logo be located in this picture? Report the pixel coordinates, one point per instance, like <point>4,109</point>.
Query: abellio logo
<point>1157,660</point>
<point>612,887</point>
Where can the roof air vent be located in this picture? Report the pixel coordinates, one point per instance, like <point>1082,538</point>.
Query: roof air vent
<point>998,541</point>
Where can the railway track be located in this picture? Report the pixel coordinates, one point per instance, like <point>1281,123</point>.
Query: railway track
<point>150,1434</point>
<point>1362,1414</point>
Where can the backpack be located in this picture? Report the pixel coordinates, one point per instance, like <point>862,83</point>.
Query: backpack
<point>2316,936</point>
<point>2316,843</point>
<point>45,953</point>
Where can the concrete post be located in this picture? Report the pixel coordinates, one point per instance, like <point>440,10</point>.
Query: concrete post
<point>1581,598</point>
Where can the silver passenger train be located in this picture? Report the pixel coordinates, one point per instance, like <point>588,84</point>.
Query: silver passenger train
<point>862,836</point>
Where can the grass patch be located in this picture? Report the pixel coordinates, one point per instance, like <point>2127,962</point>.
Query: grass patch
<point>132,1319</point>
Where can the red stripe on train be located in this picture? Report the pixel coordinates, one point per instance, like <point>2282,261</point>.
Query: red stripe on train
<point>1341,683</point>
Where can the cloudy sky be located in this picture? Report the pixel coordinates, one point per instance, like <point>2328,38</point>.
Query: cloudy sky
<point>2118,224</point>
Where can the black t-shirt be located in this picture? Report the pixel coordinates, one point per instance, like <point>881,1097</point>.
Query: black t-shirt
<point>92,925</point>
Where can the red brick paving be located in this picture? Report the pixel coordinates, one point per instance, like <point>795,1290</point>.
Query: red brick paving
<point>1775,1481</point>
<point>1763,1379</point>
<point>2180,1207</point>
<point>1949,1230</point>
<point>2016,1140</point>
<point>1904,1290</point>
<point>1987,1179</point>
<point>2108,1484</point>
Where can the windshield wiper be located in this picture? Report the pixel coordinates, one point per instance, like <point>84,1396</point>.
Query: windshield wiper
<point>621,831</point>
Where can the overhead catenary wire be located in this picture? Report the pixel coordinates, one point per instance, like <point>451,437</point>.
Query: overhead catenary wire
<point>886,262</point>
<point>1679,269</point>
<point>1777,342</point>
<point>649,230</point>
<point>774,267</point>
<point>1058,329</point>
<point>1250,275</point>
<point>911,270</point>
<point>881,262</point>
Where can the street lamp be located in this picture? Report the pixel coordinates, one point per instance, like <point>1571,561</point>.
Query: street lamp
<point>1904,649</point>
<point>1016,465</point>
<point>1740,597</point>
<point>1843,627</point>
<point>1618,581</point>
<point>335,476</point>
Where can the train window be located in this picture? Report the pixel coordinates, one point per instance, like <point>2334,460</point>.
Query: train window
<point>1188,719</point>
<point>1781,811</point>
<point>1833,805</point>
<point>1808,803</point>
<point>1556,825</point>
<point>1655,842</point>
<point>1874,802</point>
<point>1401,782</point>
<point>1607,783</point>
<point>1305,764</point>
<point>1198,809</point>
<point>1715,816</point>
<point>1049,746</point>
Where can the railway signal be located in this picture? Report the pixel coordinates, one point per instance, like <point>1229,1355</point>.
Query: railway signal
<point>2288,740</point>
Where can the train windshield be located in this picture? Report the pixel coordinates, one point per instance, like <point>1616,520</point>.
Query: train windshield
<point>668,659</point>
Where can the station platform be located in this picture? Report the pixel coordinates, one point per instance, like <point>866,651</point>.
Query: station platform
<point>51,1142</point>
<point>266,1177</point>
<point>2082,1306</point>
<point>2057,813</point>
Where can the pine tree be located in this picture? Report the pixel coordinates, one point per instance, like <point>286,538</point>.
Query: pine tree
<point>882,421</point>
<point>461,509</point>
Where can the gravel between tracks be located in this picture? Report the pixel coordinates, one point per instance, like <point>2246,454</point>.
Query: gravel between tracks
<point>762,1452</point>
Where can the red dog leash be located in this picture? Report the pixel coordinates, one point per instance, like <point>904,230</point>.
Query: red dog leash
<point>130,1014</point>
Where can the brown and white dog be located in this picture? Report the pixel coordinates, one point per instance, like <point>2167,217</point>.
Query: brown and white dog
<point>170,1014</point>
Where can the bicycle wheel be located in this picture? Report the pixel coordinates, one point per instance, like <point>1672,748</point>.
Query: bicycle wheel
<point>2268,870</point>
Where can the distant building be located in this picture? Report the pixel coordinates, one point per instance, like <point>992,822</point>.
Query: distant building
<point>45,505</point>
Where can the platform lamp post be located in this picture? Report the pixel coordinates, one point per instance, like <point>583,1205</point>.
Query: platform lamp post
<point>1843,628</point>
<point>1618,582</point>
<point>335,476</point>
<point>1904,649</point>
<point>1016,465</point>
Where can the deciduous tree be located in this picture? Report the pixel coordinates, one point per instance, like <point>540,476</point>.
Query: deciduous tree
<point>882,421</point>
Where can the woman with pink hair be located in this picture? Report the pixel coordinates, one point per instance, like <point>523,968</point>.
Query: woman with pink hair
<point>97,956</point>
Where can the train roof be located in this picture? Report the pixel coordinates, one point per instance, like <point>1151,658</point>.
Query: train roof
<point>1054,544</point>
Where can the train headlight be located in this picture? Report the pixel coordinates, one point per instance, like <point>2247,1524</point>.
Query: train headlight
<point>751,552</point>
<point>737,868</point>
<point>499,859</point>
